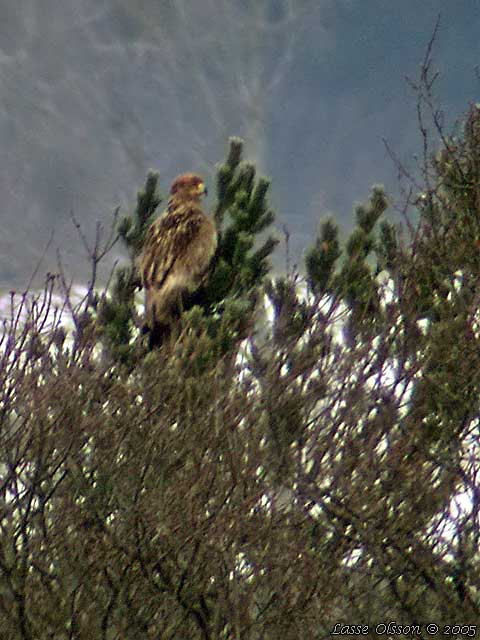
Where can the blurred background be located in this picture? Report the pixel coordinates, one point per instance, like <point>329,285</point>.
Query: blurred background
<point>93,93</point>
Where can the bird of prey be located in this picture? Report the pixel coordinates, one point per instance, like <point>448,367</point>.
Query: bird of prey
<point>176,255</point>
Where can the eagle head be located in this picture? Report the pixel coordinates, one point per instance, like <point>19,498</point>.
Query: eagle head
<point>188,186</point>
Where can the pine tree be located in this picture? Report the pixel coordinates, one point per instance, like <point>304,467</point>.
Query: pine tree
<point>225,304</point>
<point>354,280</point>
<point>117,316</point>
<point>229,299</point>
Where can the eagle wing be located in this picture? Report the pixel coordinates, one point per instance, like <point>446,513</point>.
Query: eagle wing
<point>176,255</point>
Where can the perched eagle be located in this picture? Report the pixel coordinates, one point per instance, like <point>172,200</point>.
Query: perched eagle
<point>176,254</point>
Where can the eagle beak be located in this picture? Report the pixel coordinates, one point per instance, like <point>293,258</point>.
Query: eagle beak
<point>202,189</point>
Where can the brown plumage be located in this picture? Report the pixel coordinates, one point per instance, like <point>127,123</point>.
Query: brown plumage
<point>177,252</point>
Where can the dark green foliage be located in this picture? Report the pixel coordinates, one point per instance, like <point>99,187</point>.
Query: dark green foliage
<point>241,262</point>
<point>387,248</point>
<point>354,280</point>
<point>116,314</point>
<point>242,213</point>
<point>321,258</point>
<point>290,313</point>
<point>132,228</point>
<point>226,184</point>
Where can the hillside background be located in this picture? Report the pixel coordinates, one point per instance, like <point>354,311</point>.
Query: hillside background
<point>93,94</point>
